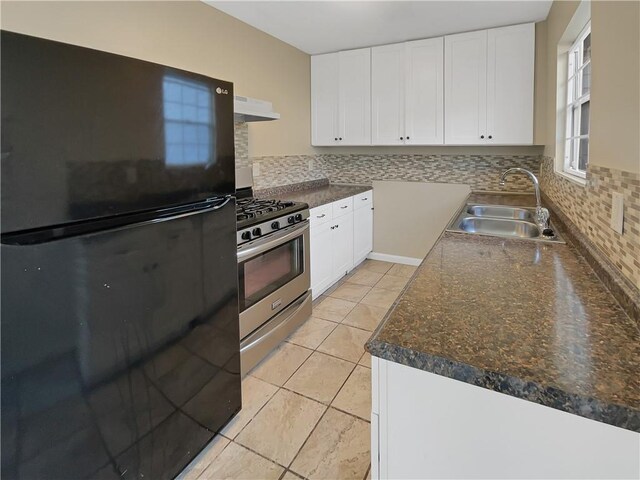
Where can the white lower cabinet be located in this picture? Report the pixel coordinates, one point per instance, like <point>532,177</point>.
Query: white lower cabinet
<point>446,428</point>
<point>321,245</point>
<point>362,227</point>
<point>341,237</point>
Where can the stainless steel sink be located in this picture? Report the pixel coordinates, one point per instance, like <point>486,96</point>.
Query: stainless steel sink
<point>500,211</point>
<point>499,227</point>
<point>501,221</point>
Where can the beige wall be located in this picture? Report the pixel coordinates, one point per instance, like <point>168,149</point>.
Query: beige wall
<point>615,91</point>
<point>192,36</point>
<point>411,233</point>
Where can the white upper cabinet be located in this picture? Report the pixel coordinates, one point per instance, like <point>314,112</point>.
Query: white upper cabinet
<point>472,88</point>
<point>489,86</point>
<point>388,70</point>
<point>354,104</point>
<point>324,99</point>
<point>424,98</point>
<point>407,93</point>
<point>341,98</point>
<point>510,77</point>
<point>465,79</point>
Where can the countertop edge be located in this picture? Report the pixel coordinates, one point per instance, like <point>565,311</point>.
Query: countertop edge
<point>587,407</point>
<point>582,405</point>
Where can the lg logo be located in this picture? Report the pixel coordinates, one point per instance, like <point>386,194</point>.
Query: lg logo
<point>222,91</point>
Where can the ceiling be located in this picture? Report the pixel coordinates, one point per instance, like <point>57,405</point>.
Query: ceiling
<point>329,26</point>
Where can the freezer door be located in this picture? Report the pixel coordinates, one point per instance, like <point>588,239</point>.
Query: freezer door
<point>88,134</point>
<point>120,349</point>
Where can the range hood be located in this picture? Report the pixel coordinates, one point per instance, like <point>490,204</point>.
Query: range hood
<point>247,109</point>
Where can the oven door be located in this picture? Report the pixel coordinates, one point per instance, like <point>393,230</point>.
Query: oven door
<point>273,272</point>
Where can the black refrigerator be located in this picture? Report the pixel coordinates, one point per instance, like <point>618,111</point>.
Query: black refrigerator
<point>119,314</point>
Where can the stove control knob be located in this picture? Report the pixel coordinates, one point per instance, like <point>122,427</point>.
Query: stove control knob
<point>246,235</point>
<point>299,217</point>
<point>291,219</point>
<point>257,232</point>
<point>275,225</point>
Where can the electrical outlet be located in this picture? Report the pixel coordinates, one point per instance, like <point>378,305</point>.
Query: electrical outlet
<point>256,169</point>
<point>617,212</point>
<point>311,164</point>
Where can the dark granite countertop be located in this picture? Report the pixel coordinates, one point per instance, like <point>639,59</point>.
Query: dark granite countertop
<point>317,195</point>
<point>527,319</point>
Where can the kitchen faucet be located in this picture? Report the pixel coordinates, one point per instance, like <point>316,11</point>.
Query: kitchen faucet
<point>542,214</point>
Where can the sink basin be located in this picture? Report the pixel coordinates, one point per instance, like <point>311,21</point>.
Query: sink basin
<point>499,227</point>
<point>499,211</point>
<point>501,221</point>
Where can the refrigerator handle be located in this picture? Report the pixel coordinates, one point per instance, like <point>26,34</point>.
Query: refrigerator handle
<point>45,235</point>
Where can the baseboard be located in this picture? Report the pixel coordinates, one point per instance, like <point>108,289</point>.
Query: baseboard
<point>385,257</point>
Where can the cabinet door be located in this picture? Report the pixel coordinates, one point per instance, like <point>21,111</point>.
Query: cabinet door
<point>510,76</point>
<point>362,233</point>
<point>324,99</point>
<point>424,124</point>
<point>387,94</point>
<point>342,246</point>
<point>465,79</point>
<point>321,252</point>
<point>354,97</point>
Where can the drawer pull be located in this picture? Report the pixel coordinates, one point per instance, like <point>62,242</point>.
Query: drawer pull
<point>321,216</point>
<point>346,206</point>
<point>365,198</point>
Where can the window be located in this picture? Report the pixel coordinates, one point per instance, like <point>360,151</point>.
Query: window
<point>576,151</point>
<point>188,122</point>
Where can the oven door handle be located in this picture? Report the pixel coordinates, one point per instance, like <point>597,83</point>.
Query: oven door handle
<point>245,252</point>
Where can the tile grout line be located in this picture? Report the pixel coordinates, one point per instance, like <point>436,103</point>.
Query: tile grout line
<point>326,406</point>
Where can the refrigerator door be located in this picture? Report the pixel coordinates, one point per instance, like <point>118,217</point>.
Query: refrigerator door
<point>88,134</point>
<point>120,348</point>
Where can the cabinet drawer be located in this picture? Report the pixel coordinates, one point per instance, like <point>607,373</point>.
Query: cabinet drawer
<point>363,199</point>
<point>321,214</point>
<point>342,207</point>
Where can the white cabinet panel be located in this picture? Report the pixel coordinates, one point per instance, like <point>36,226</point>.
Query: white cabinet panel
<point>387,94</point>
<point>424,97</point>
<point>342,207</point>
<point>510,77</point>
<point>320,215</point>
<point>324,99</point>
<point>354,97</point>
<point>321,250</point>
<point>465,78</point>
<point>451,429</point>
<point>362,233</point>
<point>342,246</point>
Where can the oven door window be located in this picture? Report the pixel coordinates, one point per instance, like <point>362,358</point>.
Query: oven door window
<point>262,275</point>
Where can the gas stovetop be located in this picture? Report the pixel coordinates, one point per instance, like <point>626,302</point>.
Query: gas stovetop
<point>258,217</point>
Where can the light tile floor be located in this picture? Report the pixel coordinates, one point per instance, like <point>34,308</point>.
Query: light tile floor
<point>306,407</point>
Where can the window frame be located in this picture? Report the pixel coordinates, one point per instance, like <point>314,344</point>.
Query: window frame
<point>573,104</point>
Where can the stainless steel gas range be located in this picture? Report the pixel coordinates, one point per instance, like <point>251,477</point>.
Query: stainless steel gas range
<point>273,269</point>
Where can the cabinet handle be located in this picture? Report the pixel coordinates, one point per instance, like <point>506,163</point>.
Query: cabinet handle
<point>407,138</point>
<point>481,136</point>
<point>365,198</point>
<point>346,206</point>
<point>340,138</point>
<point>401,138</point>
<point>336,139</point>
<point>321,216</point>
<point>333,227</point>
<point>490,136</point>
<point>337,226</point>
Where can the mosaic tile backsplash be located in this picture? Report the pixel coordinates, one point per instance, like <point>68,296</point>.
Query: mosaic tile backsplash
<point>589,208</point>
<point>481,172</point>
